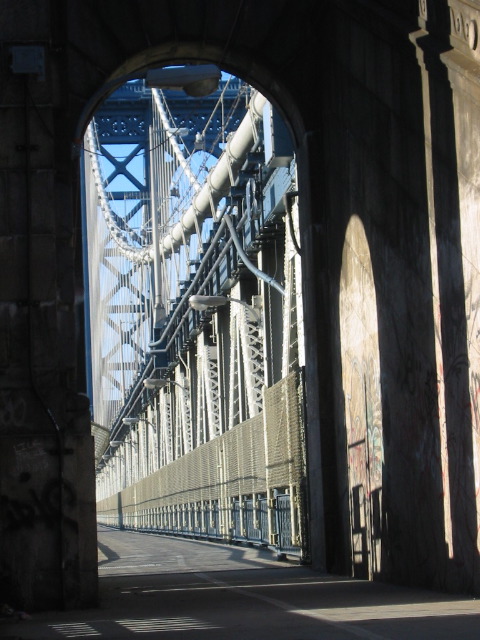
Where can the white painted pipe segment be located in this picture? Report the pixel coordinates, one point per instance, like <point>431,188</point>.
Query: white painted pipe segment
<point>217,185</point>
<point>219,179</point>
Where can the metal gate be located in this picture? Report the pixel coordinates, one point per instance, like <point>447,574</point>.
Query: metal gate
<point>283,521</point>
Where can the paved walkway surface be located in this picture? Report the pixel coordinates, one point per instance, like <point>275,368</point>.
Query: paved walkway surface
<point>176,589</point>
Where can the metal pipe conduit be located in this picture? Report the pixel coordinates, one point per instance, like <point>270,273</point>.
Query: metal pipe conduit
<point>217,185</point>
<point>222,218</point>
<point>270,280</point>
<point>218,181</point>
<point>166,329</point>
<point>225,220</point>
<point>207,278</point>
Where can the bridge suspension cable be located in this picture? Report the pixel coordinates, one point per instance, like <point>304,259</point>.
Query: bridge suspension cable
<point>203,204</point>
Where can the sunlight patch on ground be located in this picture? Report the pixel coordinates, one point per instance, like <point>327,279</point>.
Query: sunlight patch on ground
<point>164,624</point>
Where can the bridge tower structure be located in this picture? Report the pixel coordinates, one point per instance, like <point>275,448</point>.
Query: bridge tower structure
<point>120,186</point>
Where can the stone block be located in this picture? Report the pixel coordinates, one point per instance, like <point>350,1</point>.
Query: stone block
<point>13,266</point>
<point>43,201</point>
<point>44,259</point>
<point>14,214</point>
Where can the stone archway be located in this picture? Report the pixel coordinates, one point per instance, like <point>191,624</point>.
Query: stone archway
<point>79,47</point>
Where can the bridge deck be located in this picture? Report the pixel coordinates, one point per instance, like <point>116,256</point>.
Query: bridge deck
<point>131,553</point>
<point>172,588</point>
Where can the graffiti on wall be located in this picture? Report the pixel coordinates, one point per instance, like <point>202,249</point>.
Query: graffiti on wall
<point>35,494</point>
<point>13,410</point>
<point>472,306</point>
<point>45,505</point>
<point>363,406</point>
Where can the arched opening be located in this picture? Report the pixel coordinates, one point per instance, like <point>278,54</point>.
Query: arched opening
<point>363,401</point>
<point>382,108</point>
<point>196,324</point>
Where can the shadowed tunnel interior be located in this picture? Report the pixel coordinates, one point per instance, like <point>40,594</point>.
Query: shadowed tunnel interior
<point>323,401</point>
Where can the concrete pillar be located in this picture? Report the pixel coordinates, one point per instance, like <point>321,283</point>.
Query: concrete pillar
<point>451,108</point>
<point>316,311</point>
<point>47,512</point>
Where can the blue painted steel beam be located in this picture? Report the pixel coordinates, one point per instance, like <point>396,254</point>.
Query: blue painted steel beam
<point>125,116</point>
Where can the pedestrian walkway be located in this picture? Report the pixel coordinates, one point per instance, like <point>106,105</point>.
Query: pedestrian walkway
<point>157,587</point>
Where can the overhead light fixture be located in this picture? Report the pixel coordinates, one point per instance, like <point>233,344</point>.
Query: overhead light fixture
<point>155,383</point>
<point>130,421</point>
<point>201,303</point>
<point>196,80</point>
<point>178,131</point>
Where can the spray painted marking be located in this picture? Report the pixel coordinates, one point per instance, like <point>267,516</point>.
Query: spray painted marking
<point>13,410</point>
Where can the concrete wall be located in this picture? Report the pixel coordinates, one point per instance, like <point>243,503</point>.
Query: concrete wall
<point>385,125</point>
<point>398,148</point>
<point>47,509</point>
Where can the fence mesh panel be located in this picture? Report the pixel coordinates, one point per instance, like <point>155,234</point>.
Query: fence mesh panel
<point>263,453</point>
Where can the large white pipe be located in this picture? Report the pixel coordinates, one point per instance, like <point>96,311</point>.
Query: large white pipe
<point>217,186</point>
<point>219,180</point>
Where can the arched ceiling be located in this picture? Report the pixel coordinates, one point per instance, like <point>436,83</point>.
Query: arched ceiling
<point>100,41</point>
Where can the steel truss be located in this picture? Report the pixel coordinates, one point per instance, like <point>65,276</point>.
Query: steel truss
<point>246,377</point>
<point>208,392</point>
<point>140,192</point>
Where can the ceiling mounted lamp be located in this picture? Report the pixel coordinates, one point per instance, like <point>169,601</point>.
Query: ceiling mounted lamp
<point>201,303</point>
<point>195,80</point>
<point>155,383</point>
<point>130,421</point>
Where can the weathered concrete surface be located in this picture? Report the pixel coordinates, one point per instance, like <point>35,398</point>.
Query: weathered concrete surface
<point>398,128</point>
<point>47,509</point>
